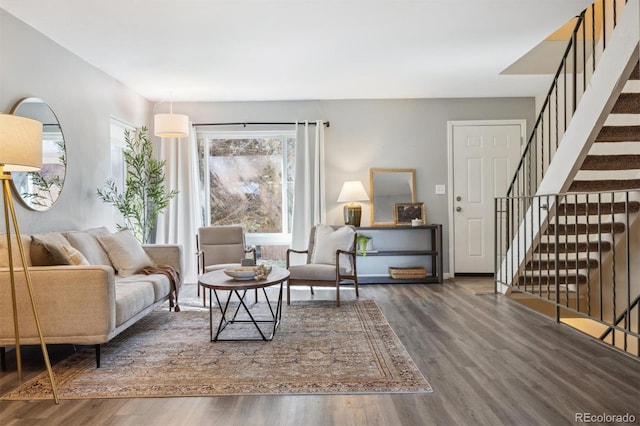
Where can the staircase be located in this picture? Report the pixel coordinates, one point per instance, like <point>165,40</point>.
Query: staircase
<point>590,217</point>
<point>614,158</point>
<point>578,247</point>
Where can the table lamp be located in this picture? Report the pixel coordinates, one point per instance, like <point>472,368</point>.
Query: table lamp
<point>351,192</point>
<point>20,150</point>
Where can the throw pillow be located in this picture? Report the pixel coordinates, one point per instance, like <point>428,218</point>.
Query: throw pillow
<point>125,251</point>
<point>87,243</point>
<point>101,230</point>
<point>327,241</point>
<point>51,241</point>
<point>74,255</point>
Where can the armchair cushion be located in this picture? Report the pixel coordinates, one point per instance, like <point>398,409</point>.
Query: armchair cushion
<point>313,272</point>
<point>327,241</point>
<point>221,244</point>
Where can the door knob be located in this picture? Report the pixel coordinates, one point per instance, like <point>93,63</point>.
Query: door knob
<point>458,209</point>
<point>458,198</point>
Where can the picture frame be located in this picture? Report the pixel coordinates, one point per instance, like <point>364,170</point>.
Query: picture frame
<point>404,213</point>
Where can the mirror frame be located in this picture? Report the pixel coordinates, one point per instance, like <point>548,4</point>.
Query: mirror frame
<point>372,173</point>
<point>61,157</point>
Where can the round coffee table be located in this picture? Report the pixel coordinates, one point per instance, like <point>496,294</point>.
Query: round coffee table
<point>217,280</point>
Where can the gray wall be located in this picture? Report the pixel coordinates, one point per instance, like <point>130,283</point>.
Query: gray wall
<point>83,98</point>
<point>407,133</point>
<point>404,133</point>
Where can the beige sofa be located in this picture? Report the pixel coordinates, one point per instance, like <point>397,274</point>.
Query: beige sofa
<point>84,304</point>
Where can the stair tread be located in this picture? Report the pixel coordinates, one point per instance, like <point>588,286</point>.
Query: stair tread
<point>582,228</point>
<point>551,279</point>
<point>627,103</point>
<point>611,162</point>
<point>603,185</point>
<point>594,208</point>
<point>562,264</point>
<point>591,247</point>
<point>619,134</point>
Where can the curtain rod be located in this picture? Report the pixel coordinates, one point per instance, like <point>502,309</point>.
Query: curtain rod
<point>264,123</point>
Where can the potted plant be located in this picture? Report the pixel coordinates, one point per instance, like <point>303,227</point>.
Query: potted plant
<point>144,196</point>
<point>362,241</point>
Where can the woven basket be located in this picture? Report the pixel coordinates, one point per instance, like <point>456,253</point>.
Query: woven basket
<point>407,273</point>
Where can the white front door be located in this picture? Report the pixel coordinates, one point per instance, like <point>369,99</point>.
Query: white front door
<point>484,159</point>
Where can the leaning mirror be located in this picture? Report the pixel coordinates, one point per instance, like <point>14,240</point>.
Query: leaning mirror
<point>387,188</point>
<point>40,190</point>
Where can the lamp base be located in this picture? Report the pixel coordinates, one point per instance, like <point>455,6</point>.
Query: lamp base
<point>352,214</point>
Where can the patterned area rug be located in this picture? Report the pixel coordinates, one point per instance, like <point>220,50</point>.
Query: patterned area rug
<point>317,349</point>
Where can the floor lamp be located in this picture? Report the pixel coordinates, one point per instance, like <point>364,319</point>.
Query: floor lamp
<point>20,150</point>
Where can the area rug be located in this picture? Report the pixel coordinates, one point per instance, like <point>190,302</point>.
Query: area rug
<point>318,349</point>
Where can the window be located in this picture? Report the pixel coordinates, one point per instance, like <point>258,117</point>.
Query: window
<point>118,167</point>
<point>249,181</point>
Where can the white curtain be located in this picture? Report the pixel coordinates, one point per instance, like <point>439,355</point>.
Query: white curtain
<point>183,217</point>
<point>308,200</point>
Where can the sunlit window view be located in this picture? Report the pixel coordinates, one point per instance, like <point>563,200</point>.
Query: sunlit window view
<point>250,182</point>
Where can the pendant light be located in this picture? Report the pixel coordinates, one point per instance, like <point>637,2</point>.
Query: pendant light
<point>171,125</point>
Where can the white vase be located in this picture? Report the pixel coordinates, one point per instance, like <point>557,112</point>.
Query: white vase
<point>367,247</point>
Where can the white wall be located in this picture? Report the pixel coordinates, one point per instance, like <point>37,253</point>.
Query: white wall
<point>83,98</point>
<point>405,133</point>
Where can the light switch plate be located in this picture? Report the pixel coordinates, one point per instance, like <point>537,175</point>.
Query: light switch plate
<point>440,190</point>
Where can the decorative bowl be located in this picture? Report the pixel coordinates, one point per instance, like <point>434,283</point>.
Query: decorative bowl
<point>241,272</point>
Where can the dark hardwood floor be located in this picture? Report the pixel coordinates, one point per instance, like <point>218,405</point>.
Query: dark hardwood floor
<point>489,360</point>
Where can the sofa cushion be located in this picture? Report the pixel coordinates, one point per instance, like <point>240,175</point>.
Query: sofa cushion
<point>51,242</point>
<point>126,253</point>
<point>132,298</point>
<point>100,230</point>
<point>4,253</point>
<point>88,244</point>
<point>160,283</point>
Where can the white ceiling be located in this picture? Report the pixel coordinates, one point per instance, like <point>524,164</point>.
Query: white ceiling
<point>210,50</point>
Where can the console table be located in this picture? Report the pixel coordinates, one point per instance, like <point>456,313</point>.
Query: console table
<point>401,246</point>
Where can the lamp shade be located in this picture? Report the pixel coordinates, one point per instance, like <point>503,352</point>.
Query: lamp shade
<point>352,191</point>
<point>20,143</point>
<point>171,125</point>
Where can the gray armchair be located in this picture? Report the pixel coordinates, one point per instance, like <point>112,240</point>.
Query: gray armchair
<point>324,274</point>
<point>220,247</point>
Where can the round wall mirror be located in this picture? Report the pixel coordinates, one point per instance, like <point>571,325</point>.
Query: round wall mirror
<point>40,190</point>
